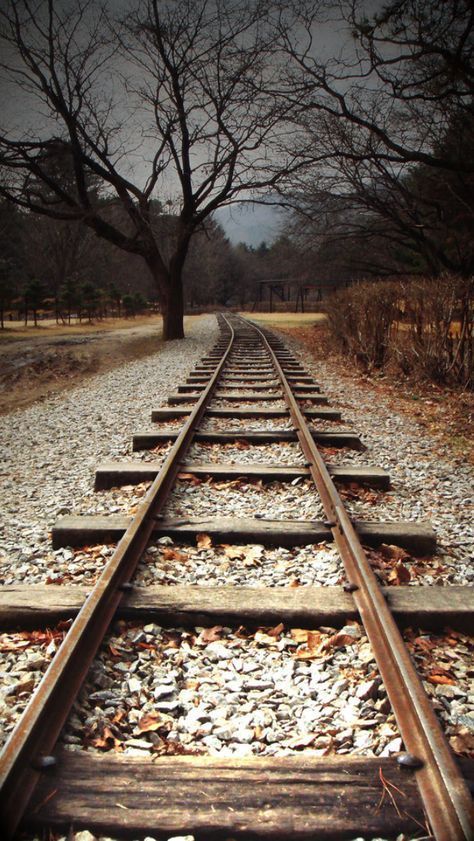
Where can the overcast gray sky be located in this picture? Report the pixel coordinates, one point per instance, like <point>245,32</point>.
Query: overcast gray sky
<point>251,224</point>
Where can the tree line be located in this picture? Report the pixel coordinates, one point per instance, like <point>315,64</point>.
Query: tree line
<point>361,125</point>
<point>49,267</point>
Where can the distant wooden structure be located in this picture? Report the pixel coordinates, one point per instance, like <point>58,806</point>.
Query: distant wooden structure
<point>290,293</point>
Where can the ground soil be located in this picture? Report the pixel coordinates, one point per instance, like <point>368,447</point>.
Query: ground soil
<point>38,362</point>
<point>446,413</point>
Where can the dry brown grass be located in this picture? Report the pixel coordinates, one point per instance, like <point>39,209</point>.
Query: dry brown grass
<point>446,413</point>
<point>48,328</point>
<point>286,319</point>
<point>38,363</point>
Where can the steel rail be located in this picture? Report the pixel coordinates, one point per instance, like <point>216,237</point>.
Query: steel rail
<point>445,796</point>
<point>27,752</point>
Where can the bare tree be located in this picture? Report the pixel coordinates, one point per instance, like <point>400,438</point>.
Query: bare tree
<point>391,112</point>
<point>392,88</point>
<point>176,101</point>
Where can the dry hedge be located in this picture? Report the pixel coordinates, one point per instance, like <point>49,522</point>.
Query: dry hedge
<point>422,327</point>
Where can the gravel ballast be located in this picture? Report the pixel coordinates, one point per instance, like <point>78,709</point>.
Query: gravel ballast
<point>52,449</point>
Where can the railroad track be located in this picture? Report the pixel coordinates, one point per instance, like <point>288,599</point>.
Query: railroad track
<point>248,374</point>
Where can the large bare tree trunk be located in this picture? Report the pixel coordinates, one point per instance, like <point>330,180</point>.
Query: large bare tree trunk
<point>169,285</point>
<point>173,311</point>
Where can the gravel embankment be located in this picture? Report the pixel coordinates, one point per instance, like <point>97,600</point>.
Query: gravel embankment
<point>428,483</point>
<point>50,449</point>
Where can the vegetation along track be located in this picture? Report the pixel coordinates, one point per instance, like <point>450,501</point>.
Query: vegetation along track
<point>293,792</point>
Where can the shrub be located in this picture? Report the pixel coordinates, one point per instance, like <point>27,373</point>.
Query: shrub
<point>361,319</point>
<point>422,327</point>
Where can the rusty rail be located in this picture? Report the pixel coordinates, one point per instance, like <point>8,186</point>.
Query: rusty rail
<point>28,749</point>
<point>445,796</point>
<point>442,789</point>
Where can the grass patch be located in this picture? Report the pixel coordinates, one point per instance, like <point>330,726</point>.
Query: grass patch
<point>286,319</point>
<point>48,328</point>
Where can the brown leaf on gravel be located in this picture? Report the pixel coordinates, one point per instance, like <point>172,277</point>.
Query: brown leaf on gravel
<point>148,646</point>
<point>211,634</point>
<point>299,634</point>
<point>463,742</point>
<point>338,641</point>
<point>441,677</point>
<point>59,580</point>
<point>277,630</point>
<point>400,574</point>
<point>311,643</point>
<point>203,541</point>
<point>425,643</point>
<point>264,638</point>
<point>189,477</point>
<point>23,639</point>
<point>173,555</point>
<point>233,552</point>
<point>393,553</point>
<point>241,445</point>
<point>223,486</point>
<point>107,741</point>
<point>154,721</point>
<point>356,491</point>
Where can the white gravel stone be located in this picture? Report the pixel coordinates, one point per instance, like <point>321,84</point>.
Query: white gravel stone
<point>244,498</point>
<point>286,452</point>
<point>51,449</point>
<point>249,565</point>
<point>428,481</point>
<point>277,704</point>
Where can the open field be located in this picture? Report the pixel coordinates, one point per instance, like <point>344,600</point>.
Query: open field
<point>286,319</point>
<point>47,328</point>
<point>36,363</point>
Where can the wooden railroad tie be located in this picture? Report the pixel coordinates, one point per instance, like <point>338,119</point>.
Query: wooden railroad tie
<point>329,438</point>
<point>114,474</point>
<point>30,606</point>
<point>418,538</point>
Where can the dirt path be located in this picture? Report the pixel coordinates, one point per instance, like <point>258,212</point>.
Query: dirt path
<point>34,367</point>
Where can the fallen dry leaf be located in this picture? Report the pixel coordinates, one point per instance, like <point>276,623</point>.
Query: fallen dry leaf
<point>107,741</point>
<point>277,630</point>
<point>393,553</point>
<point>203,541</point>
<point>400,574</point>
<point>233,552</point>
<point>153,721</point>
<point>438,676</point>
<point>338,641</point>
<point>189,477</point>
<point>264,638</point>
<point>241,445</point>
<point>463,742</point>
<point>211,634</point>
<point>299,634</point>
<point>173,555</point>
<point>311,647</point>
<point>424,643</point>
